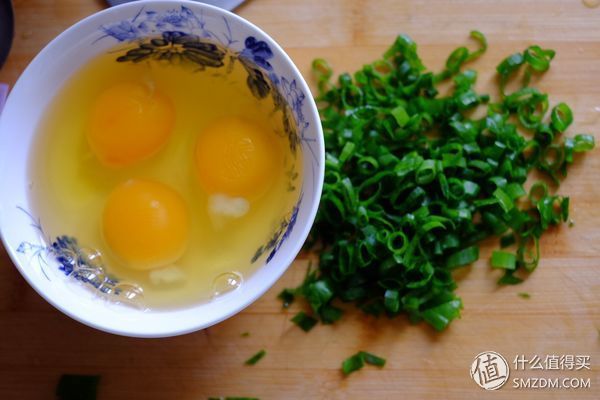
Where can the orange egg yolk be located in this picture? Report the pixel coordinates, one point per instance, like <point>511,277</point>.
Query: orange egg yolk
<point>236,157</point>
<point>145,224</point>
<point>129,122</point>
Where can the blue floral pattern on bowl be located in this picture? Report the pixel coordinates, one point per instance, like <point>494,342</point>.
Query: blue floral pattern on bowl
<point>279,236</point>
<point>82,264</point>
<point>180,35</point>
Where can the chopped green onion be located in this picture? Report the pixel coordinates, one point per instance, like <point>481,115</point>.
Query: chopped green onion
<point>256,358</point>
<point>538,191</point>
<point>463,257</point>
<point>507,240</point>
<point>358,360</point>
<point>508,67</point>
<point>304,321</point>
<point>77,387</point>
<point>400,115</point>
<point>505,201</point>
<point>392,300</point>
<point>372,359</point>
<point>414,182</point>
<point>583,143</point>
<point>287,297</point>
<point>441,315</point>
<point>480,38</point>
<point>529,253</point>
<point>562,117</point>
<point>504,260</point>
<point>329,314</point>
<point>322,72</point>
<point>509,279</point>
<point>353,363</point>
<point>538,58</point>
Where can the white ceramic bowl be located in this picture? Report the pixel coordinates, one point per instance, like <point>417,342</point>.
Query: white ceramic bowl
<point>38,258</point>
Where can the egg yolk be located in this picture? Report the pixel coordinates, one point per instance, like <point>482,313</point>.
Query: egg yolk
<point>235,156</point>
<point>129,122</point>
<point>145,224</point>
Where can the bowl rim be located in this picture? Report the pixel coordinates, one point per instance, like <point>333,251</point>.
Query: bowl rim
<point>304,229</point>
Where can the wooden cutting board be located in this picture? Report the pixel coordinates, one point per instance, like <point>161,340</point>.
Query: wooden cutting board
<point>562,317</point>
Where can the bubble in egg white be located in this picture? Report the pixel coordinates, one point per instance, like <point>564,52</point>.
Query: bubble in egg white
<point>226,283</point>
<point>91,257</point>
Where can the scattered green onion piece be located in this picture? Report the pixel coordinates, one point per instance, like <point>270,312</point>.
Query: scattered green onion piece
<point>552,157</point>
<point>347,152</point>
<point>318,294</point>
<point>353,363</point>
<point>538,59</point>
<point>463,257</point>
<point>531,113</point>
<point>509,279</point>
<point>400,115</point>
<point>256,358</point>
<point>287,296</point>
<point>441,315</point>
<point>561,117</point>
<point>358,360</point>
<point>583,143</point>
<point>426,172</point>
<point>323,72</point>
<point>329,314</point>
<point>515,190</point>
<point>372,359</point>
<point>505,201</point>
<point>304,321</point>
<point>508,67</point>
<point>392,300</point>
<point>480,38</point>
<point>504,260</point>
<point>507,240</point>
<point>538,191</point>
<point>529,253</point>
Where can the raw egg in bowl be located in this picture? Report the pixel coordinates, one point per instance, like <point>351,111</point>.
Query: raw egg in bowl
<point>161,165</point>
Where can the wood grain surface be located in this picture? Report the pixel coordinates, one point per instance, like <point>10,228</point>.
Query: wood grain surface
<point>562,317</point>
